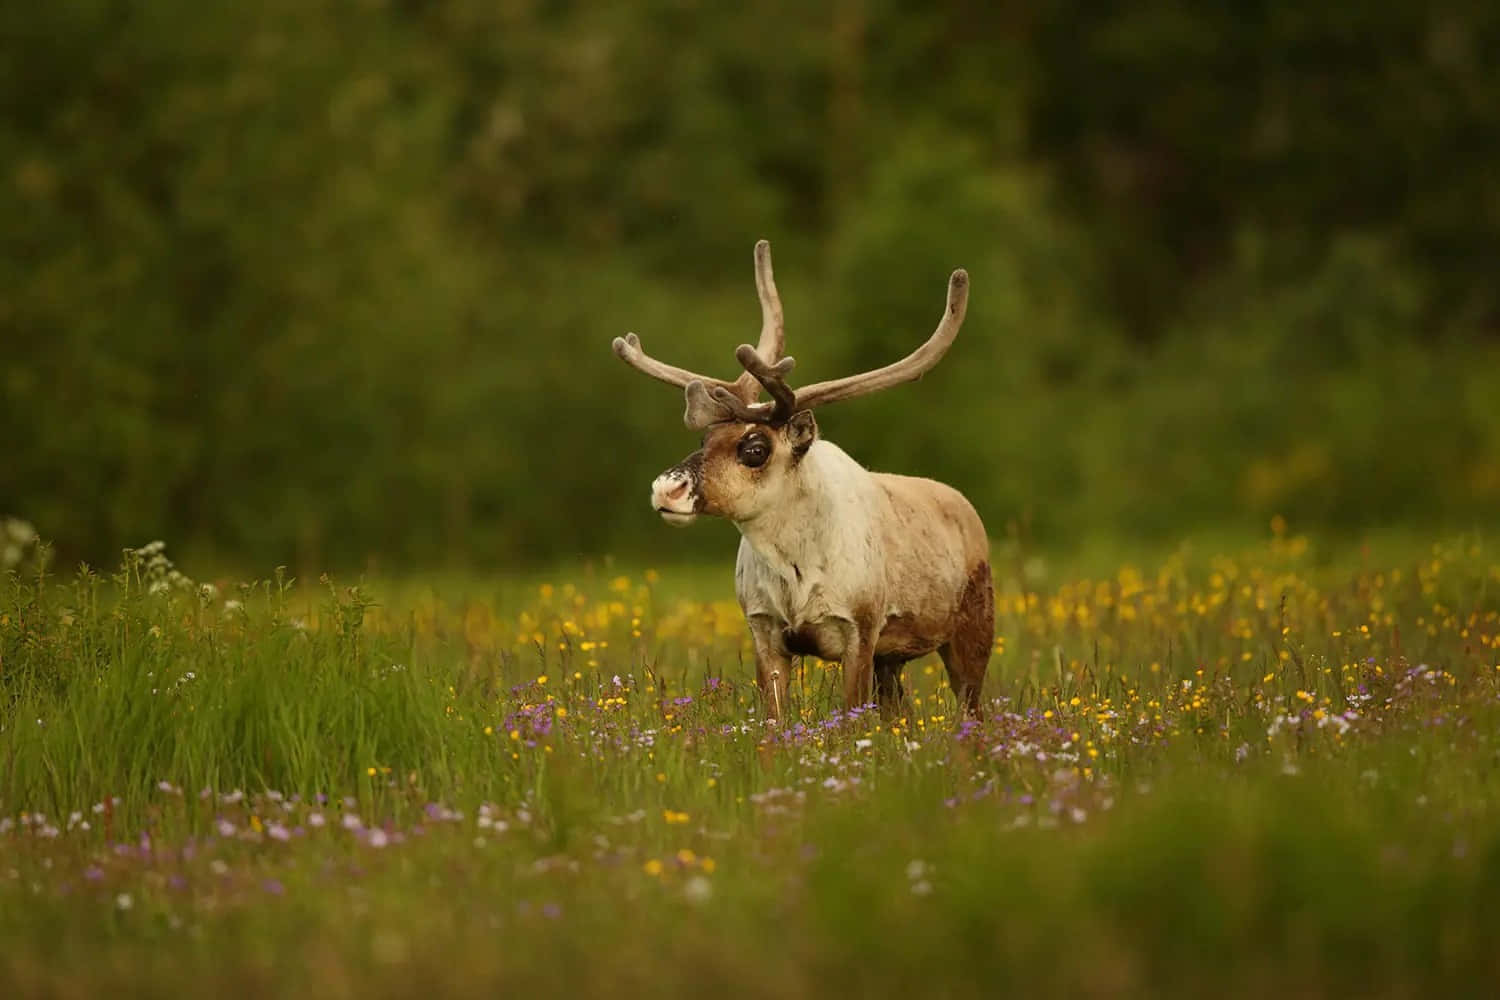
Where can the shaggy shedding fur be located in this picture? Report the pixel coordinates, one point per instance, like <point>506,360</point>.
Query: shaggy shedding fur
<point>865,568</point>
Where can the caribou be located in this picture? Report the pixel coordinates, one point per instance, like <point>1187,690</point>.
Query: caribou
<point>869,569</point>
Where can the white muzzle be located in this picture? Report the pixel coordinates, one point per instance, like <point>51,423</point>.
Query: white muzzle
<point>673,497</point>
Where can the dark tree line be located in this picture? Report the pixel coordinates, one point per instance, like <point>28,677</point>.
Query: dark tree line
<point>311,282</point>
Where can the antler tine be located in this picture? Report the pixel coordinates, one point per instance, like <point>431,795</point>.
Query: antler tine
<point>773,378</point>
<point>628,349</point>
<point>772,343</point>
<point>912,367</point>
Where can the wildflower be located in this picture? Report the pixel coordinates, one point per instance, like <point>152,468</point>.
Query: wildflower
<point>377,838</point>
<point>698,889</point>
<point>652,867</point>
<point>124,901</point>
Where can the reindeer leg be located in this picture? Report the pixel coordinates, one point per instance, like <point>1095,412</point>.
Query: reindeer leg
<point>773,667</point>
<point>859,664</point>
<point>967,653</point>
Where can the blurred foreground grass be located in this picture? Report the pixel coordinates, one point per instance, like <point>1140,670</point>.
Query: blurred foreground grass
<point>1199,774</point>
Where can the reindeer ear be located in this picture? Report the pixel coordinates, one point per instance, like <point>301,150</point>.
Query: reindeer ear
<point>702,409</point>
<point>801,432</point>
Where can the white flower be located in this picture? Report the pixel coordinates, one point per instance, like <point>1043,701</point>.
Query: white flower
<point>698,889</point>
<point>916,869</point>
<point>123,901</point>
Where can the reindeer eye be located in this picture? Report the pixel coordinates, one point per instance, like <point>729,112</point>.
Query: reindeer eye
<point>754,449</point>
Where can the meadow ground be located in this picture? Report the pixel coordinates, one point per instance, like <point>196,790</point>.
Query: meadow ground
<point>1266,772</point>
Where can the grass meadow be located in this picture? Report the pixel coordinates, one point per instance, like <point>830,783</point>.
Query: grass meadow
<point>1270,770</point>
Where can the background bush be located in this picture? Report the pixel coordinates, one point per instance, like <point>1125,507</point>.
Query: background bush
<point>308,283</point>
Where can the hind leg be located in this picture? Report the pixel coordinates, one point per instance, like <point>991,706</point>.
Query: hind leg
<point>888,691</point>
<point>967,653</point>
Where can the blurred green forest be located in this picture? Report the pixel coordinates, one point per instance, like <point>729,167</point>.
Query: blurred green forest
<point>324,282</point>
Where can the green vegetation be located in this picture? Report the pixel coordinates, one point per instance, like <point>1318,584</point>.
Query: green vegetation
<point>1205,774</point>
<point>326,284</point>
<point>331,286</point>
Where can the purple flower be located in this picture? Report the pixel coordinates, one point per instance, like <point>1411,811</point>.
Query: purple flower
<point>273,886</point>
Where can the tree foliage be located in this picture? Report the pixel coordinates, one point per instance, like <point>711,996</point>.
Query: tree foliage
<point>308,282</point>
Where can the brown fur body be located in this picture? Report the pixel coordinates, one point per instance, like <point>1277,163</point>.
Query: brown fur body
<point>868,569</point>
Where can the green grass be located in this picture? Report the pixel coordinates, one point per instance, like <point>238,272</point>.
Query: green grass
<point>1234,775</point>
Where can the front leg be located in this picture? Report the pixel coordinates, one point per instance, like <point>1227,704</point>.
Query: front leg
<point>859,664</point>
<point>773,665</point>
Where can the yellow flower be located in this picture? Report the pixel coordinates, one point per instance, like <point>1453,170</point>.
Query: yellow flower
<point>652,867</point>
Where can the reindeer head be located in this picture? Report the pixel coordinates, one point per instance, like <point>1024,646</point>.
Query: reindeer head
<point>752,450</point>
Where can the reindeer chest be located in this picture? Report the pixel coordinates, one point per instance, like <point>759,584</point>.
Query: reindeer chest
<point>811,611</point>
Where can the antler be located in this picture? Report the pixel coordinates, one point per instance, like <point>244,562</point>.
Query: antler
<point>912,367</point>
<point>772,378</point>
<point>628,349</point>
<point>711,400</point>
<point>772,344</point>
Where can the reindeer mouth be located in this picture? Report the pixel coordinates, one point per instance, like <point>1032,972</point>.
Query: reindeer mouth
<point>676,517</point>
